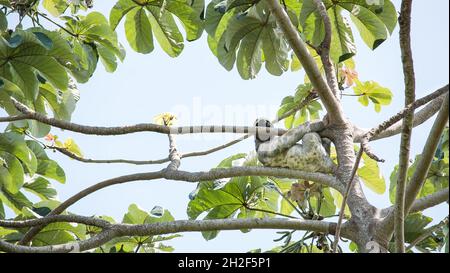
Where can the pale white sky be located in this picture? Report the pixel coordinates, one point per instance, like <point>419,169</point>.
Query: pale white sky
<point>196,84</point>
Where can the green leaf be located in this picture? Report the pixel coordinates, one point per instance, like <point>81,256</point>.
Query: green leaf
<point>371,175</point>
<point>120,9</point>
<point>214,13</point>
<point>275,51</point>
<point>249,56</point>
<point>15,201</point>
<point>23,60</point>
<point>139,31</point>
<point>343,45</point>
<point>188,16</point>
<point>242,197</point>
<point>92,32</point>
<point>166,31</point>
<point>51,169</point>
<point>15,144</point>
<point>41,187</point>
<point>11,173</point>
<point>415,226</point>
<point>72,147</point>
<point>374,92</point>
<point>249,39</point>
<point>370,27</point>
<point>61,103</point>
<point>3,22</point>
<point>436,180</point>
<point>55,7</point>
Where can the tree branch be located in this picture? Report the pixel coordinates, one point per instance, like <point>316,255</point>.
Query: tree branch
<point>174,156</point>
<point>108,161</point>
<point>311,97</point>
<point>193,177</point>
<point>327,97</point>
<point>373,134</point>
<point>14,118</point>
<point>424,203</point>
<point>427,156</point>
<point>423,166</point>
<point>143,127</point>
<point>90,221</point>
<point>117,230</point>
<point>324,49</point>
<point>419,118</point>
<point>410,91</point>
<point>430,201</point>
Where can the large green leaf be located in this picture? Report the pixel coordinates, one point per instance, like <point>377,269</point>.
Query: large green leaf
<point>90,32</point>
<point>135,216</point>
<point>11,172</point>
<point>46,167</point>
<point>61,103</point>
<point>15,201</point>
<point>307,113</point>
<point>248,39</point>
<point>374,21</point>
<point>241,197</point>
<point>371,28</point>
<point>120,9</point>
<point>343,45</point>
<point>23,57</point>
<point>166,31</point>
<point>139,31</point>
<point>15,144</point>
<point>158,16</point>
<point>55,7</point>
<point>41,187</point>
<point>371,176</point>
<point>374,92</point>
<point>3,21</point>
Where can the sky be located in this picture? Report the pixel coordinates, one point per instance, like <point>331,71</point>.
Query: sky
<point>201,91</point>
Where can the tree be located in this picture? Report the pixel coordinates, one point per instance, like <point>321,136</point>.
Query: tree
<point>43,57</point>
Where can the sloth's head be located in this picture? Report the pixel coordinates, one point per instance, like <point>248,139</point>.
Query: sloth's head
<point>262,135</point>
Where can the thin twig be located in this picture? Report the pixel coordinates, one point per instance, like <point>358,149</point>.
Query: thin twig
<point>344,199</point>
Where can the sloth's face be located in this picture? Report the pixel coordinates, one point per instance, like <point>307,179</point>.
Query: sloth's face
<point>263,135</point>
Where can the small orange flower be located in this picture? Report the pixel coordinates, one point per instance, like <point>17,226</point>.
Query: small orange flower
<point>350,76</point>
<point>50,138</point>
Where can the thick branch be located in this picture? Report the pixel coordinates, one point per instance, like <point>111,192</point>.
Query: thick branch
<point>291,33</point>
<point>423,166</point>
<point>118,230</point>
<point>419,118</point>
<point>374,133</point>
<point>424,203</point>
<point>177,175</point>
<point>312,96</point>
<point>143,127</point>
<point>427,156</point>
<point>14,118</point>
<point>431,200</point>
<point>324,50</point>
<point>410,91</point>
<point>174,156</point>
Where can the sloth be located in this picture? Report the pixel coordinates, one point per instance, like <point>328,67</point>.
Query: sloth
<point>311,155</point>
